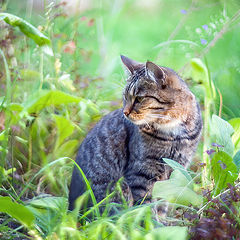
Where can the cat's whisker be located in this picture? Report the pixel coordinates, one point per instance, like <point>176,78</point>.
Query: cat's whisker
<point>159,116</point>
<point>162,110</point>
<point>146,123</point>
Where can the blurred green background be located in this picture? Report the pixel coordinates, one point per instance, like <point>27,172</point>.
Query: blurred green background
<point>168,32</point>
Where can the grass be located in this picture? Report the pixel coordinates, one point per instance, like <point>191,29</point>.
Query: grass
<point>51,96</point>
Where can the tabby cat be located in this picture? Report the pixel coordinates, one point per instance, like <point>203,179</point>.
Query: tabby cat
<point>160,118</point>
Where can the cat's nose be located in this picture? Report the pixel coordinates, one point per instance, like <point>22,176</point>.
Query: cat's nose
<point>126,112</point>
<point>127,109</point>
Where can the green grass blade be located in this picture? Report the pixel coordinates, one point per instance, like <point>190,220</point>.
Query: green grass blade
<point>7,112</point>
<point>17,211</point>
<point>28,29</point>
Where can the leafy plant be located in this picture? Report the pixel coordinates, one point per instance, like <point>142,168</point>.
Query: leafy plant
<point>224,171</point>
<point>17,211</point>
<point>178,188</point>
<point>224,164</point>
<point>26,28</point>
<point>221,219</point>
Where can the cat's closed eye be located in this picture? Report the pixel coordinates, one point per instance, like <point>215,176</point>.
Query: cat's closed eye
<point>139,99</point>
<point>149,99</point>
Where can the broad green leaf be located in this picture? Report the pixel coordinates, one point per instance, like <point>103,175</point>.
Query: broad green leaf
<point>26,28</point>
<point>200,74</point>
<point>21,140</point>
<point>48,211</point>
<point>88,111</point>
<point>53,203</point>
<point>67,149</point>
<point>10,171</point>
<point>16,107</point>
<point>175,165</point>
<point>168,233</point>
<point>65,128</point>
<point>235,122</point>
<point>30,75</point>
<point>66,81</point>
<point>6,174</point>
<point>17,211</point>
<point>222,132</point>
<point>177,189</point>
<point>236,160</point>
<point>224,171</point>
<point>45,98</point>
<point>199,71</point>
<point>2,135</point>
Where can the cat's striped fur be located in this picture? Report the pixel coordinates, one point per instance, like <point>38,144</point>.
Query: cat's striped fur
<point>160,119</point>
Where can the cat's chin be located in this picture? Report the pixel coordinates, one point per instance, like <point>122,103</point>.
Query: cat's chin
<point>173,127</point>
<point>136,121</point>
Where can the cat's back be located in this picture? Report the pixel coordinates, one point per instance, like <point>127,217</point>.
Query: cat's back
<point>106,142</point>
<point>103,152</point>
<point>111,127</point>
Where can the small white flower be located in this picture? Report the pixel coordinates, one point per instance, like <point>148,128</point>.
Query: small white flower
<point>212,25</point>
<point>198,30</point>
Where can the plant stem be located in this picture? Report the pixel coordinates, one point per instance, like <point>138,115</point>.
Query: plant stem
<point>206,170</point>
<point>41,69</point>
<point>213,198</point>
<point>7,112</point>
<point>30,148</point>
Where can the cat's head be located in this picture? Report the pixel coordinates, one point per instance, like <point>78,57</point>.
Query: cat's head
<point>156,96</point>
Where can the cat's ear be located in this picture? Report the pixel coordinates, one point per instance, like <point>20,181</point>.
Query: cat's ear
<point>155,72</point>
<point>130,64</point>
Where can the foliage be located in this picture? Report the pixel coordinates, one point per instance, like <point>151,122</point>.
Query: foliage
<point>60,73</point>
<point>179,188</point>
<point>221,219</point>
<point>25,27</point>
<point>16,210</point>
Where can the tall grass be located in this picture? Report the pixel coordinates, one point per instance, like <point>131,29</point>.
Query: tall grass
<point>66,79</point>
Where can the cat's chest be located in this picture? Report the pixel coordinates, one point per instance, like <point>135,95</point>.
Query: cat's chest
<point>143,148</point>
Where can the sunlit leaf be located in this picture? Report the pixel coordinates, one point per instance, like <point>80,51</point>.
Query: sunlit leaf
<point>26,28</point>
<point>224,171</point>
<point>200,74</point>
<point>65,128</point>
<point>50,202</point>
<point>175,165</point>
<point>30,75</point>
<point>236,159</point>
<point>177,189</point>
<point>21,140</point>
<point>200,71</point>
<point>48,211</point>
<point>15,107</point>
<point>67,149</point>
<point>235,122</point>
<point>17,211</point>
<point>45,98</point>
<point>222,131</point>
<point>2,135</point>
<point>168,233</point>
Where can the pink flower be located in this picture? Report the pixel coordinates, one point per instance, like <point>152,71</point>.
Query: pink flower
<point>69,47</point>
<point>91,22</point>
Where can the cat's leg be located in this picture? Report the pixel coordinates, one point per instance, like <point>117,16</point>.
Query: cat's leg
<point>161,209</point>
<point>141,176</point>
<point>121,196</point>
<point>141,182</point>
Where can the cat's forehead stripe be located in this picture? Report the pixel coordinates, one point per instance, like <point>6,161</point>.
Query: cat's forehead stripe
<point>132,86</point>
